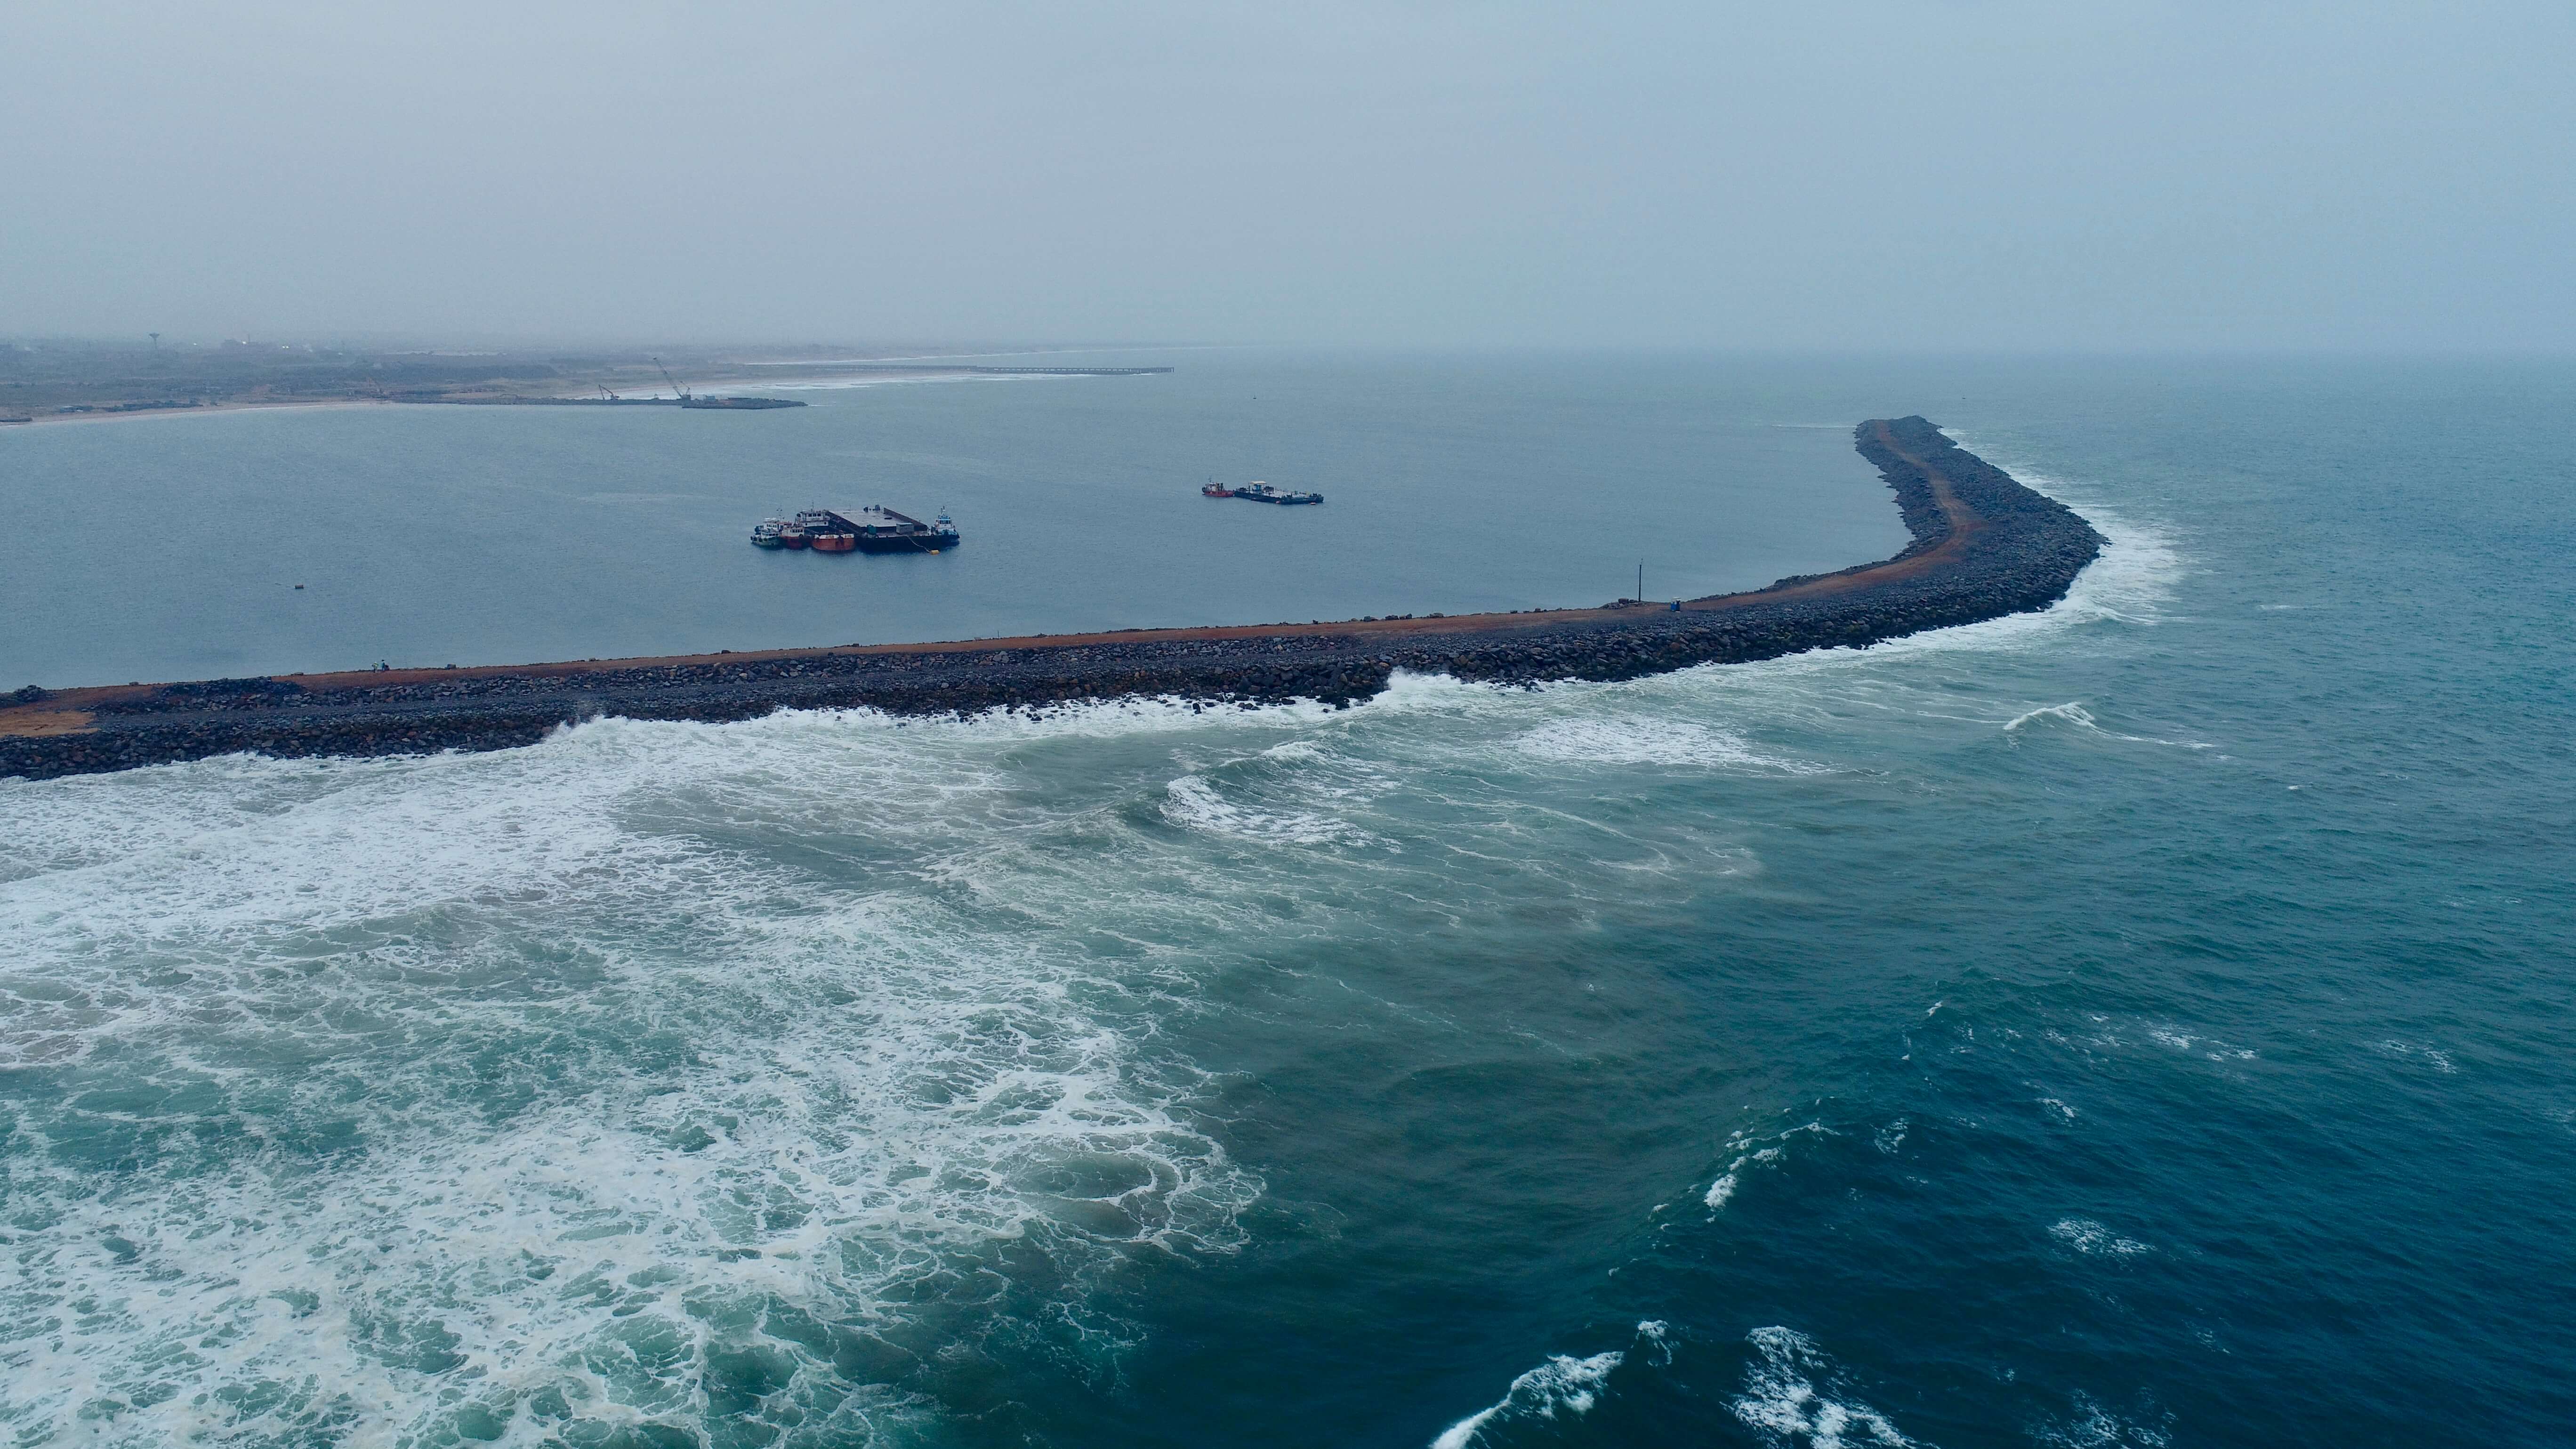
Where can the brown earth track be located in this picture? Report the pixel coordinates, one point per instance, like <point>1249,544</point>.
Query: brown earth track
<point>28,721</point>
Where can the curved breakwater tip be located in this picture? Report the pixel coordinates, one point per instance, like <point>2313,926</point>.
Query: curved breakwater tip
<point>1983,547</point>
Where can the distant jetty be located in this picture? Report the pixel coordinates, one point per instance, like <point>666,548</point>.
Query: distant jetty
<point>1983,547</point>
<point>925,368</point>
<point>721,404</point>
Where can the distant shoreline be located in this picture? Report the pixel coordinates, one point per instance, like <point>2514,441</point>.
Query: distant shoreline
<point>1983,546</point>
<point>204,410</point>
<point>823,379</point>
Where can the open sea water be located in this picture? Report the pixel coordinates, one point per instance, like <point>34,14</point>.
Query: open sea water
<point>2151,1022</point>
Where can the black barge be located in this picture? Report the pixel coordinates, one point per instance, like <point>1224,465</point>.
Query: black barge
<point>873,529</point>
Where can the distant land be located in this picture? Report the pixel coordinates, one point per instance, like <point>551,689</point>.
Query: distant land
<point>72,380</point>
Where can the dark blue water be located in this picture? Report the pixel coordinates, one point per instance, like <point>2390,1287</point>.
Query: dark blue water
<point>2143,1023</point>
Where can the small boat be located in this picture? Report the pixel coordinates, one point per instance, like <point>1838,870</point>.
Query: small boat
<point>791,535</point>
<point>1213,491</point>
<point>765,534</point>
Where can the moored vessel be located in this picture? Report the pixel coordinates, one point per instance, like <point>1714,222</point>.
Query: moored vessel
<point>824,530</point>
<point>882,530</point>
<point>873,529</point>
<point>1264,493</point>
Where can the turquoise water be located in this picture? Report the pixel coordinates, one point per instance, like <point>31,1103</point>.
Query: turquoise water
<point>2142,1023</point>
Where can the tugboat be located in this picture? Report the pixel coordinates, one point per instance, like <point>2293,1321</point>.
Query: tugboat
<point>791,535</point>
<point>1213,491</point>
<point>765,534</point>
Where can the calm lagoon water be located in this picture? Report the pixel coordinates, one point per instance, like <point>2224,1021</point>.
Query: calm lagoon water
<point>2143,1023</point>
<point>170,548</point>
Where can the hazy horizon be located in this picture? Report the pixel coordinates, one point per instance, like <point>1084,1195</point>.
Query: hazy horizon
<point>1999,177</point>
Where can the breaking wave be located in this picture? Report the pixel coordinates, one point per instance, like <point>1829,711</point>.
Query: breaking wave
<point>1644,740</point>
<point>1747,1157</point>
<point>2075,716</point>
<point>1782,1400</point>
<point>1563,1387</point>
<point>2089,1237</point>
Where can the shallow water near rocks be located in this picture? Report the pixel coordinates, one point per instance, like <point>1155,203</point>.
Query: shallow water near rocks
<point>2146,1022</point>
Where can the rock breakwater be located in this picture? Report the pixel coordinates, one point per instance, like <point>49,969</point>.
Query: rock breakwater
<point>1983,546</point>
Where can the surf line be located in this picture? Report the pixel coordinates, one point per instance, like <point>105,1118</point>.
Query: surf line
<point>1984,546</point>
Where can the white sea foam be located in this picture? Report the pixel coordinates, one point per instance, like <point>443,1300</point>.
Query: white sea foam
<point>2092,1426</point>
<point>1194,803</point>
<point>1722,1191</point>
<point>1563,1384</point>
<point>1747,1156</point>
<point>2440,1060</point>
<point>404,1099</point>
<point>2089,1237</point>
<point>2074,715</point>
<point>557,1074</point>
<point>1784,1404</point>
<point>1632,739</point>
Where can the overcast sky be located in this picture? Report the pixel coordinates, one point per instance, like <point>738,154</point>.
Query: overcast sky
<point>2114,175</point>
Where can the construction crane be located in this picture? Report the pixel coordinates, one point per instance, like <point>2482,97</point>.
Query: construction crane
<point>604,392</point>
<point>673,381</point>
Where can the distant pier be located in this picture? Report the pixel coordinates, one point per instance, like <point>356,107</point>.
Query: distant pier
<point>918,367</point>
<point>717,404</point>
